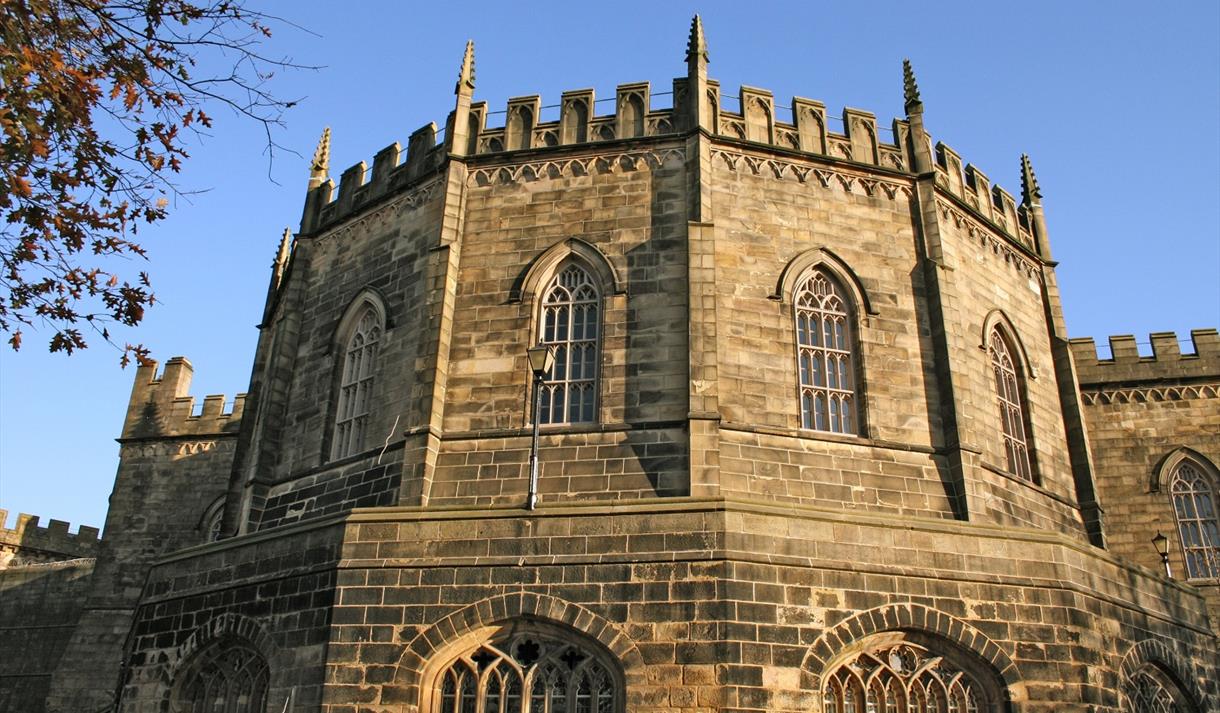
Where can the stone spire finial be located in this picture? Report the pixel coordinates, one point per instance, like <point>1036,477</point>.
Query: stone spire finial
<point>320,165</point>
<point>466,73</point>
<point>696,45</point>
<point>910,90</point>
<point>1030,191</point>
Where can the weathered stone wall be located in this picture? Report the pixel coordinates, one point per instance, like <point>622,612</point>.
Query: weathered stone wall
<point>173,468</point>
<point>40,605</point>
<point>988,279</point>
<point>274,593</point>
<point>707,605</point>
<point>1142,412</point>
<point>385,250</point>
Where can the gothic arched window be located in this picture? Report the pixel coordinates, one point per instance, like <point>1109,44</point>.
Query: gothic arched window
<point>229,676</point>
<point>1194,505</point>
<point>824,355</point>
<point>1011,400</point>
<point>905,677</point>
<point>1152,689</point>
<point>570,324</point>
<point>356,382</point>
<point>526,672</point>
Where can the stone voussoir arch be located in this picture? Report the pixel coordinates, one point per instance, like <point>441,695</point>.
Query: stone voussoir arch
<point>543,608</point>
<point>1153,651</point>
<point>904,617</point>
<point>229,624</point>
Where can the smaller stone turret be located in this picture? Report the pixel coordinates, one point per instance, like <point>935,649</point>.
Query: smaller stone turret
<point>163,407</point>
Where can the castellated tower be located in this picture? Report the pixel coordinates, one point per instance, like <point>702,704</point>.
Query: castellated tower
<point>813,439</point>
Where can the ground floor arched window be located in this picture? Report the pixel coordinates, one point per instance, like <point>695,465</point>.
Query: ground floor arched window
<point>1151,690</point>
<point>227,676</point>
<point>527,670</point>
<point>904,674</point>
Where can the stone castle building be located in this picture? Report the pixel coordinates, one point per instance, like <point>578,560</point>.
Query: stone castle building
<point>814,439</point>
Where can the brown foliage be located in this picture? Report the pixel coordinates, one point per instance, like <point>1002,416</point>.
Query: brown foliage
<point>95,99</point>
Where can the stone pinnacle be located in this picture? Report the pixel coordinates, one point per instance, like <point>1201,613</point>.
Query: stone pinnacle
<point>320,164</point>
<point>910,90</point>
<point>1030,191</point>
<point>696,46</point>
<point>466,73</point>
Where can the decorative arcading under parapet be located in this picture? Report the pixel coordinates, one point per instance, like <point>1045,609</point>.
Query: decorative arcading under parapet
<point>1126,370</point>
<point>570,167</point>
<point>808,173</point>
<point>989,241</point>
<point>44,543</point>
<point>379,216</point>
<point>162,407</point>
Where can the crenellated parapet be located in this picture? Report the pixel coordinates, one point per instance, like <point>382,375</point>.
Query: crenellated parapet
<point>359,185</point>
<point>1168,366</point>
<point>162,407</point>
<point>990,202</point>
<point>27,543</point>
<point>582,122</point>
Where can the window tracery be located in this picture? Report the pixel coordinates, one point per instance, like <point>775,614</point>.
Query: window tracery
<point>528,673</point>
<point>227,677</point>
<point>356,384</point>
<point>825,360</point>
<point>1151,690</point>
<point>570,325</point>
<point>1194,504</point>
<point>903,678</point>
<point>1011,402</point>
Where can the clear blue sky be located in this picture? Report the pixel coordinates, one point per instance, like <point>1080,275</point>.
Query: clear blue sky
<point>1117,103</point>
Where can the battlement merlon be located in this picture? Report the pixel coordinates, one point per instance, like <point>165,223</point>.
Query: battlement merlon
<point>54,540</point>
<point>1167,363</point>
<point>162,407</point>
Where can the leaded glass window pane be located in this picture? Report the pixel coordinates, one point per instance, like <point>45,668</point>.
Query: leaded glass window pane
<point>227,677</point>
<point>1012,406</point>
<point>571,321</point>
<point>540,675</point>
<point>356,385</point>
<point>825,366</point>
<point>1194,505</point>
<point>901,678</point>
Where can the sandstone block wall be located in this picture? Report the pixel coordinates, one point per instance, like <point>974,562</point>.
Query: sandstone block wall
<point>173,469</point>
<point>275,593</point>
<point>1141,412</point>
<point>40,606</point>
<point>707,605</point>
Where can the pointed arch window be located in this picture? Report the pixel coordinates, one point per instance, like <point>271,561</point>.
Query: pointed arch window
<point>356,383</point>
<point>1011,402</point>
<point>229,676</point>
<point>570,325</point>
<point>825,355</point>
<point>1194,505</point>
<point>529,673</point>
<point>1151,689</point>
<point>905,677</point>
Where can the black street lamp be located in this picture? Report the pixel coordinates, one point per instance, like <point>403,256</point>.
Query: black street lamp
<point>541,361</point>
<point>1161,543</point>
